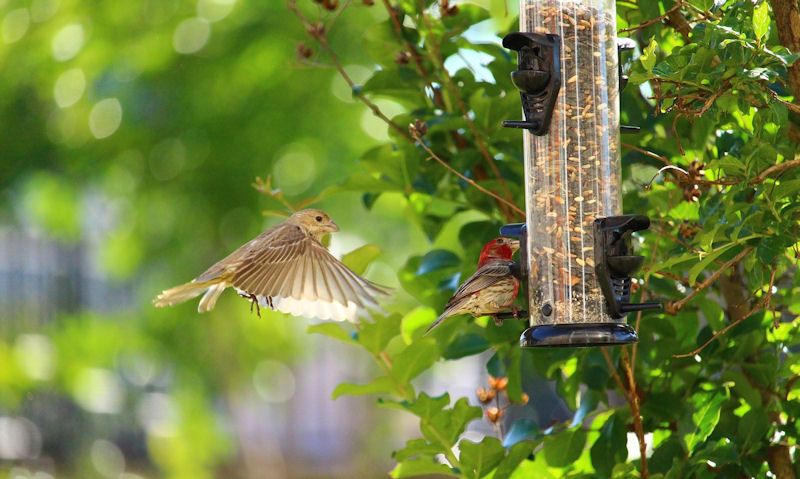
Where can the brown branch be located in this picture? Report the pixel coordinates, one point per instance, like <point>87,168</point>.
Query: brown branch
<point>633,401</point>
<point>398,28</point>
<point>632,398</point>
<point>435,55</point>
<point>779,168</point>
<point>676,20</point>
<point>673,307</point>
<point>787,19</point>
<point>653,21</point>
<point>471,182</point>
<point>764,303</point>
<point>318,33</point>
<point>614,373</point>
<point>648,153</point>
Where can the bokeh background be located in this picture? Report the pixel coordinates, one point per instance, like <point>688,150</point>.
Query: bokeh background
<point>132,133</point>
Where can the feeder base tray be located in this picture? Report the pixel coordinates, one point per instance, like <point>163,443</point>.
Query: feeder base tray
<point>577,335</point>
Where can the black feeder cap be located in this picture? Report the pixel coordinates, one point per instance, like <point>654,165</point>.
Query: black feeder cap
<point>577,335</point>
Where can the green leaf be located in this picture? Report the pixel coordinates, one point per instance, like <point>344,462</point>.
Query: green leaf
<point>761,20</point>
<point>417,319</point>
<point>466,345</point>
<point>400,83</point>
<point>625,471</point>
<point>482,457</point>
<point>436,260</point>
<point>610,447</point>
<point>752,429</point>
<point>522,429</point>
<point>707,260</point>
<point>376,335</point>
<point>705,417</point>
<point>421,467</point>
<point>332,330</point>
<point>425,406</point>
<point>648,57</point>
<point>518,453</point>
<point>564,448</point>
<point>448,425</point>
<point>379,385</point>
<point>414,359</point>
<point>358,259</point>
<point>415,448</point>
<point>467,16</point>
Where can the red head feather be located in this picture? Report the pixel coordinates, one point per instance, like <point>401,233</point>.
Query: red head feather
<point>498,249</point>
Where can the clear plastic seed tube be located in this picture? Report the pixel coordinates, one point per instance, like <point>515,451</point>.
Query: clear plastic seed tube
<point>573,173</point>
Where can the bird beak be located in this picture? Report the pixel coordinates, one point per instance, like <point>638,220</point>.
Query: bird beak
<point>514,245</point>
<point>334,227</point>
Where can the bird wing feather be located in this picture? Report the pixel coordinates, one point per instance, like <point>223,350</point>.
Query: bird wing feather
<point>287,263</point>
<point>486,276</point>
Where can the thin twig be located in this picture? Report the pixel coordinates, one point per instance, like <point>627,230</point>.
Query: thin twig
<point>439,160</point>
<point>674,307</point>
<point>655,20</point>
<point>321,37</point>
<point>638,427</point>
<point>613,370</point>
<point>434,53</point>
<point>764,303</point>
<point>779,168</point>
<point>648,153</point>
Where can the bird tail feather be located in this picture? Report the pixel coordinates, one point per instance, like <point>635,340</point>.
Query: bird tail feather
<point>210,298</point>
<point>185,292</point>
<point>446,314</point>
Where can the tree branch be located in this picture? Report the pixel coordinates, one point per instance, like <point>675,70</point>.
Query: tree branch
<point>673,307</point>
<point>764,303</point>
<point>471,182</point>
<point>318,33</point>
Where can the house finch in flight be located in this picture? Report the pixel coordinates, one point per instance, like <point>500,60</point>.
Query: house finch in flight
<point>285,268</point>
<point>492,289</point>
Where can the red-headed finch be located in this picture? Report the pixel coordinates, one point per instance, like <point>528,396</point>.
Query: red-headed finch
<point>492,289</point>
<point>285,268</point>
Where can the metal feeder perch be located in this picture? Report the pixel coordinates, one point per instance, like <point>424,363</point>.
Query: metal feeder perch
<point>577,253</point>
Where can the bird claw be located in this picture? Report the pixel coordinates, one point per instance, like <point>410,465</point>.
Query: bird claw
<point>498,321</point>
<point>254,302</point>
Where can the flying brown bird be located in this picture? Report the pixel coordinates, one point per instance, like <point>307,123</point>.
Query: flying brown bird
<point>492,289</point>
<point>285,268</point>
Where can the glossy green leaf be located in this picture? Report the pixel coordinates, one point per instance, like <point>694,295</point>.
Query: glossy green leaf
<point>480,458</point>
<point>705,417</point>
<point>565,447</point>
<point>379,385</point>
<point>360,258</point>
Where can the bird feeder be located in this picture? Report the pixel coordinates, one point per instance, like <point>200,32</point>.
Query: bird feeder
<point>577,257</point>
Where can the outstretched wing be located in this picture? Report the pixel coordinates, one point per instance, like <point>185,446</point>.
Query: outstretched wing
<point>296,274</point>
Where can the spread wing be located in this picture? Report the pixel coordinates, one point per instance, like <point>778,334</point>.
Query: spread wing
<point>486,276</point>
<point>296,274</point>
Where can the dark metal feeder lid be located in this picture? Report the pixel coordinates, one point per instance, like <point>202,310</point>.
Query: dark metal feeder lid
<point>577,335</point>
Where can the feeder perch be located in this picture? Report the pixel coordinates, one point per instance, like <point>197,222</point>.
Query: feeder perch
<point>577,255</point>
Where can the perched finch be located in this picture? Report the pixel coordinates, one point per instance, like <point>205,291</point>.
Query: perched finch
<point>285,268</point>
<point>492,289</point>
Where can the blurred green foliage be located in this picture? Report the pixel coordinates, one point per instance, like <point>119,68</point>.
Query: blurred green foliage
<point>167,110</point>
<point>709,90</point>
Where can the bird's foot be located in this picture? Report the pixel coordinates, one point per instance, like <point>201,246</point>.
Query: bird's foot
<point>498,321</point>
<point>515,312</point>
<point>254,303</point>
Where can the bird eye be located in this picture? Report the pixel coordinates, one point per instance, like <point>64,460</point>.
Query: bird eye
<point>319,219</point>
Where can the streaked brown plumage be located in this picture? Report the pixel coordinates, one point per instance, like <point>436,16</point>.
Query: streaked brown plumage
<point>285,268</point>
<point>492,289</point>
